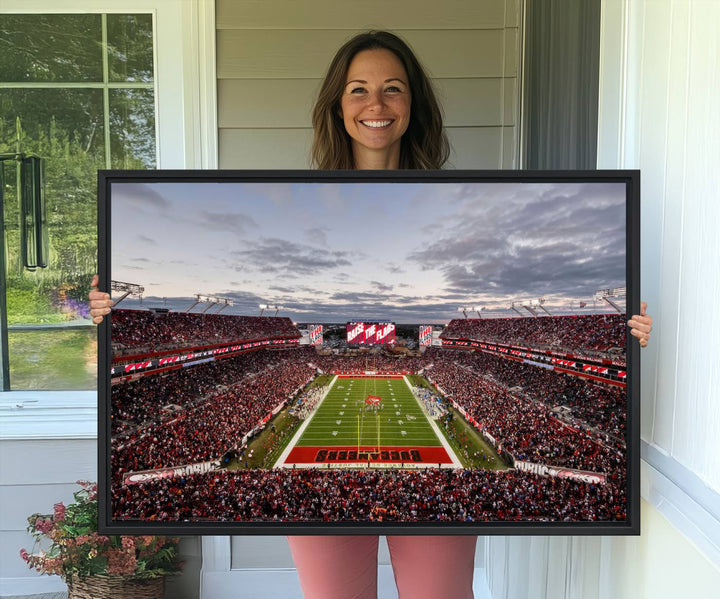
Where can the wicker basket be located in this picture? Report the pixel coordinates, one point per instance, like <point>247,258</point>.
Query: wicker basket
<point>116,587</point>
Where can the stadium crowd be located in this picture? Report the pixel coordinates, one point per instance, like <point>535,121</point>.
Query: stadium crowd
<point>147,332</point>
<point>524,427</point>
<point>580,334</point>
<point>597,405</point>
<point>154,398</point>
<point>320,495</point>
<point>205,429</point>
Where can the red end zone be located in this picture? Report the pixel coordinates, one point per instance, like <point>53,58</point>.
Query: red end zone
<point>351,455</point>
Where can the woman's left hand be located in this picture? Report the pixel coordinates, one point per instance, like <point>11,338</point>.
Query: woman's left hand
<point>641,325</point>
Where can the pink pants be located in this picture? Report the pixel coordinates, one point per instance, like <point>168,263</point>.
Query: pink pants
<point>336,567</point>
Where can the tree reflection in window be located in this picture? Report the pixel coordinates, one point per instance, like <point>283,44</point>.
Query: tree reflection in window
<point>82,88</point>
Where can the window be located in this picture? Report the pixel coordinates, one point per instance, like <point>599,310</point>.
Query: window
<point>78,91</point>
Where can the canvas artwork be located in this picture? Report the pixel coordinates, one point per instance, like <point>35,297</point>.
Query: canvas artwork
<point>309,351</point>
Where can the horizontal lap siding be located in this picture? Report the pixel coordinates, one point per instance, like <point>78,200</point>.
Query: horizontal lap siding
<point>34,475</point>
<point>271,58</point>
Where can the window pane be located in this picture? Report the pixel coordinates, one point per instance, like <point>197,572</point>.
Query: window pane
<point>130,47</point>
<point>50,48</point>
<point>132,128</point>
<point>65,127</point>
<point>48,117</point>
<point>54,359</point>
<point>52,344</point>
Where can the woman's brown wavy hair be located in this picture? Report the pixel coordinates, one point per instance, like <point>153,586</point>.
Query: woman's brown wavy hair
<point>424,145</point>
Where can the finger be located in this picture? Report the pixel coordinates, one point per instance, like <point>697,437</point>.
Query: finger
<point>639,334</point>
<point>643,308</point>
<point>643,342</point>
<point>639,326</point>
<point>95,281</point>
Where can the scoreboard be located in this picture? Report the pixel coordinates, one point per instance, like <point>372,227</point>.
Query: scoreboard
<point>371,332</point>
<point>316,334</point>
<point>425,335</point>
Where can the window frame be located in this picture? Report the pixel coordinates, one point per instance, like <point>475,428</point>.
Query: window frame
<point>186,137</point>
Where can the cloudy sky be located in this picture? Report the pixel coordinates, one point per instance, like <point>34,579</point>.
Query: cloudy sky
<point>331,252</point>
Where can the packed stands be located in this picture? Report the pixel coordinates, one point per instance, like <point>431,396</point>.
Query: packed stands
<point>218,404</point>
<point>582,334</point>
<point>147,332</point>
<point>318,495</point>
<point>525,426</point>
<point>600,406</point>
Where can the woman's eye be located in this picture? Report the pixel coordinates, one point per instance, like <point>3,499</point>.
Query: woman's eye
<point>357,90</point>
<point>393,89</point>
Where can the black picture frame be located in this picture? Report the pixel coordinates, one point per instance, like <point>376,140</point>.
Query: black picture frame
<point>629,182</point>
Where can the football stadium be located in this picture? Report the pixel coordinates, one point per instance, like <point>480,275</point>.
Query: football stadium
<point>423,352</point>
<point>238,418</point>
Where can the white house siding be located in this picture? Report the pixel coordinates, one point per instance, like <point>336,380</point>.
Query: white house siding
<point>271,57</point>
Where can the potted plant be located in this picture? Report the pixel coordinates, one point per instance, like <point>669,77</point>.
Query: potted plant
<point>95,566</point>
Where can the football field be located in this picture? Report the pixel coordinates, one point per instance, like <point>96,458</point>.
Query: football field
<point>368,422</point>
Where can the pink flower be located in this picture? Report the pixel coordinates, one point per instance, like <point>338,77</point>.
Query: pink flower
<point>24,555</point>
<point>128,543</point>
<point>44,526</point>
<point>59,509</point>
<point>121,562</point>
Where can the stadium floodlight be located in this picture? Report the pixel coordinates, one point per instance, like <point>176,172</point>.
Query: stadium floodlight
<point>211,300</point>
<point>538,303</point>
<point>264,307</point>
<point>126,289</point>
<point>464,310</point>
<point>606,294</point>
<point>514,307</point>
<point>477,310</point>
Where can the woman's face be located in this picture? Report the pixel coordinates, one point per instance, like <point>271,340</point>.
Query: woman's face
<point>375,104</point>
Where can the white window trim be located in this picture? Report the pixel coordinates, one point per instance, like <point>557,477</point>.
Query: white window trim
<point>186,125</point>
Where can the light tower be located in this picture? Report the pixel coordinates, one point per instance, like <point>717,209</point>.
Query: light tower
<point>126,289</point>
<point>211,301</point>
<point>533,304</point>
<point>264,307</point>
<point>606,294</point>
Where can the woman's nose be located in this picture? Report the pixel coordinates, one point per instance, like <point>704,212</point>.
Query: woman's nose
<point>376,99</point>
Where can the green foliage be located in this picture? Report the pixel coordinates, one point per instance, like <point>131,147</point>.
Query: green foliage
<point>27,303</point>
<point>54,358</point>
<point>70,192</point>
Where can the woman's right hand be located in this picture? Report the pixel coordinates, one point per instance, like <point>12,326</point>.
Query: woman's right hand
<point>100,302</point>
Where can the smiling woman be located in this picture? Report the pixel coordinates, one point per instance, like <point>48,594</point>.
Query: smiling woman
<point>375,108</point>
<point>365,103</point>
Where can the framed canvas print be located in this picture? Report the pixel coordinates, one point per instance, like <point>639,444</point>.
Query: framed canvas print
<point>308,352</point>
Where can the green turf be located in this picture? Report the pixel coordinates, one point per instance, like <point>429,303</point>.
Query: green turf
<point>342,417</point>
<point>463,437</point>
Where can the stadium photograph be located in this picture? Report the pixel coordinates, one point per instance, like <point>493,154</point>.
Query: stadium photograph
<point>368,352</point>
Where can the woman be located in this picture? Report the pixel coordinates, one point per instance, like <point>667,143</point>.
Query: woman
<point>377,110</point>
